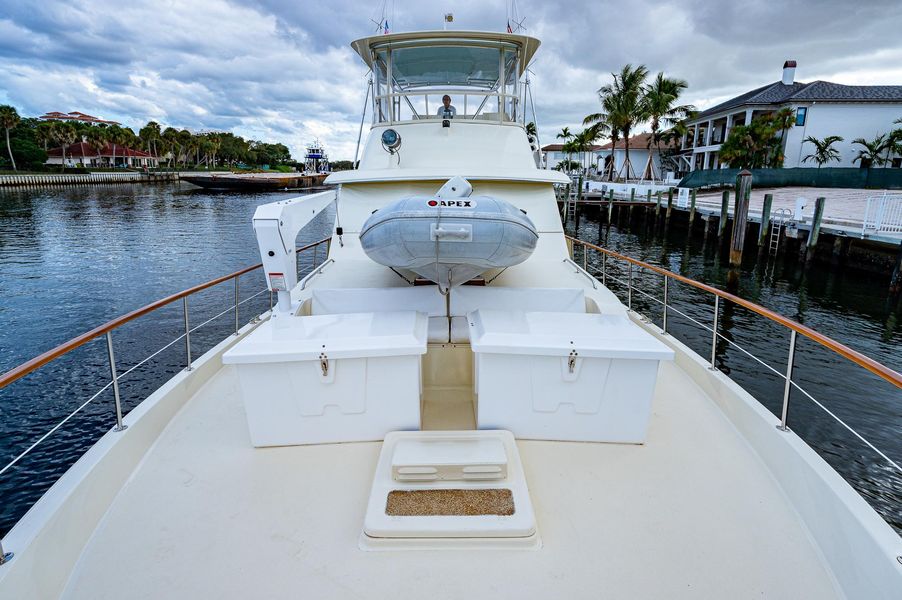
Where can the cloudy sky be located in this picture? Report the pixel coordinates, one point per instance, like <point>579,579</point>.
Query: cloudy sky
<point>282,70</point>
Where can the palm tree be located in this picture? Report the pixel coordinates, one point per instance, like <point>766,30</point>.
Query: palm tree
<point>96,138</point>
<point>893,143</point>
<point>627,107</point>
<point>567,136</point>
<point>150,134</point>
<point>114,137</point>
<point>9,118</point>
<point>660,106</point>
<point>215,140</point>
<point>601,125</point>
<point>582,143</point>
<point>824,151</point>
<point>871,151</point>
<point>64,133</point>
<point>185,139</point>
<point>171,137</point>
<point>42,134</point>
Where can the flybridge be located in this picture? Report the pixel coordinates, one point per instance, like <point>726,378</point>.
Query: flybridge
<point>480,72</point>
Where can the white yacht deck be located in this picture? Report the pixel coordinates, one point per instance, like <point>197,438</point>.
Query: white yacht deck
<point>692,513</point>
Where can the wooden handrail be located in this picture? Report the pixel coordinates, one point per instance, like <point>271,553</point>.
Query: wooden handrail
<point>42,359</point>
<point>856,357</point>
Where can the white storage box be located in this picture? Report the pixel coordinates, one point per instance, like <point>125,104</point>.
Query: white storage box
<point>564,376</point>
<point>331,378</point>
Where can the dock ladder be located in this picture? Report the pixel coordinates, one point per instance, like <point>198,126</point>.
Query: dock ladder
<point>780,217</point>
<point>569,204</point>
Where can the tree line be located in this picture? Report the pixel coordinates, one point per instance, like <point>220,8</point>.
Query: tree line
<point>29,139</point>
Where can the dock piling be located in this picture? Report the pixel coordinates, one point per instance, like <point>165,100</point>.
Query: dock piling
<point>724,214</point>
<point>765,220</point>
<point>669,204</point>
<point>811,245</point>
<point>740,216</point>
<point>579,199</point>
<point>692,195</point>
<point>658,206</point>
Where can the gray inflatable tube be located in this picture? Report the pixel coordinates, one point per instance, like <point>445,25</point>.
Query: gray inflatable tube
<point>449,240</point>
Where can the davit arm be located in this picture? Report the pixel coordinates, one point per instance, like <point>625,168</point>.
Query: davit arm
<point>276,226</point>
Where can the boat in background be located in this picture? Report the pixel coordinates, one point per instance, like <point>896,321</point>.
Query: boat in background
<point>315,158</point>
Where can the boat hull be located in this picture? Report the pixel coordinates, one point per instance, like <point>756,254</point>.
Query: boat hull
<point>254,181</point>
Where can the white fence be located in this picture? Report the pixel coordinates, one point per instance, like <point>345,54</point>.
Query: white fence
<point>883,214</point>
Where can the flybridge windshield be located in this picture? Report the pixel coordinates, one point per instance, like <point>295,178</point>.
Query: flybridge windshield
<point>445,66</point>
<point>481,78</point>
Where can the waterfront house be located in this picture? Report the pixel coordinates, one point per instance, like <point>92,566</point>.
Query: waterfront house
<point>821,109</point>
<point>641,147</point>
<point>85,154</point>
<point>552,154</point>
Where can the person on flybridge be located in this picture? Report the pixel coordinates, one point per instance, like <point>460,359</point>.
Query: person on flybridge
<point>446,110</point>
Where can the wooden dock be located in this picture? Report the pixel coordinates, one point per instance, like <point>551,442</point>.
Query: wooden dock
<point>827,230</point>
<point>844,209</point>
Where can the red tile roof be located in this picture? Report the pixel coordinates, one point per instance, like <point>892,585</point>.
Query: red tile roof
<point>84,149</point>
<point>641,141</point>
<point>75,116</point>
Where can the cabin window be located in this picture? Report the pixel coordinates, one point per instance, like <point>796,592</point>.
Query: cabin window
<point>801,113</point>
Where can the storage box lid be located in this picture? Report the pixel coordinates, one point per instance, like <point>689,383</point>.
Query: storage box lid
<point>356,335</point>
<point>559,334</point>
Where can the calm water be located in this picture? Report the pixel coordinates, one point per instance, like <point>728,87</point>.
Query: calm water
<point>72,258</point>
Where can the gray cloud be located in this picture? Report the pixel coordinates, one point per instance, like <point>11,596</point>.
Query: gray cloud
<point>282,70</point>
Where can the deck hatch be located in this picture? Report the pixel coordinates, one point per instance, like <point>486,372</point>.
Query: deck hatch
<point>441,487</point>
<point>453,503</point>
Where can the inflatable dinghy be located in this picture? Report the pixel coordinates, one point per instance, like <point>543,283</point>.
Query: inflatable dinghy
<point>451,237</point>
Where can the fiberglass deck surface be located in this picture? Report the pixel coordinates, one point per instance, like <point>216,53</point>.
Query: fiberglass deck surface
<point>690,514</point>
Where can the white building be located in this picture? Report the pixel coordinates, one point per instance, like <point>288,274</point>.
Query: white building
<point>641,146</point>
<point>821,108</point>
<point>553,154</point>
<point>84,154</point>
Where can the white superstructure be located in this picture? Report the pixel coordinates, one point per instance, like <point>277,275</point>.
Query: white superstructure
<point>521,436</point>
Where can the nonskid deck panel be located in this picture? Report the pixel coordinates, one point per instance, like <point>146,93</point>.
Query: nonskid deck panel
<point>685,515</point>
